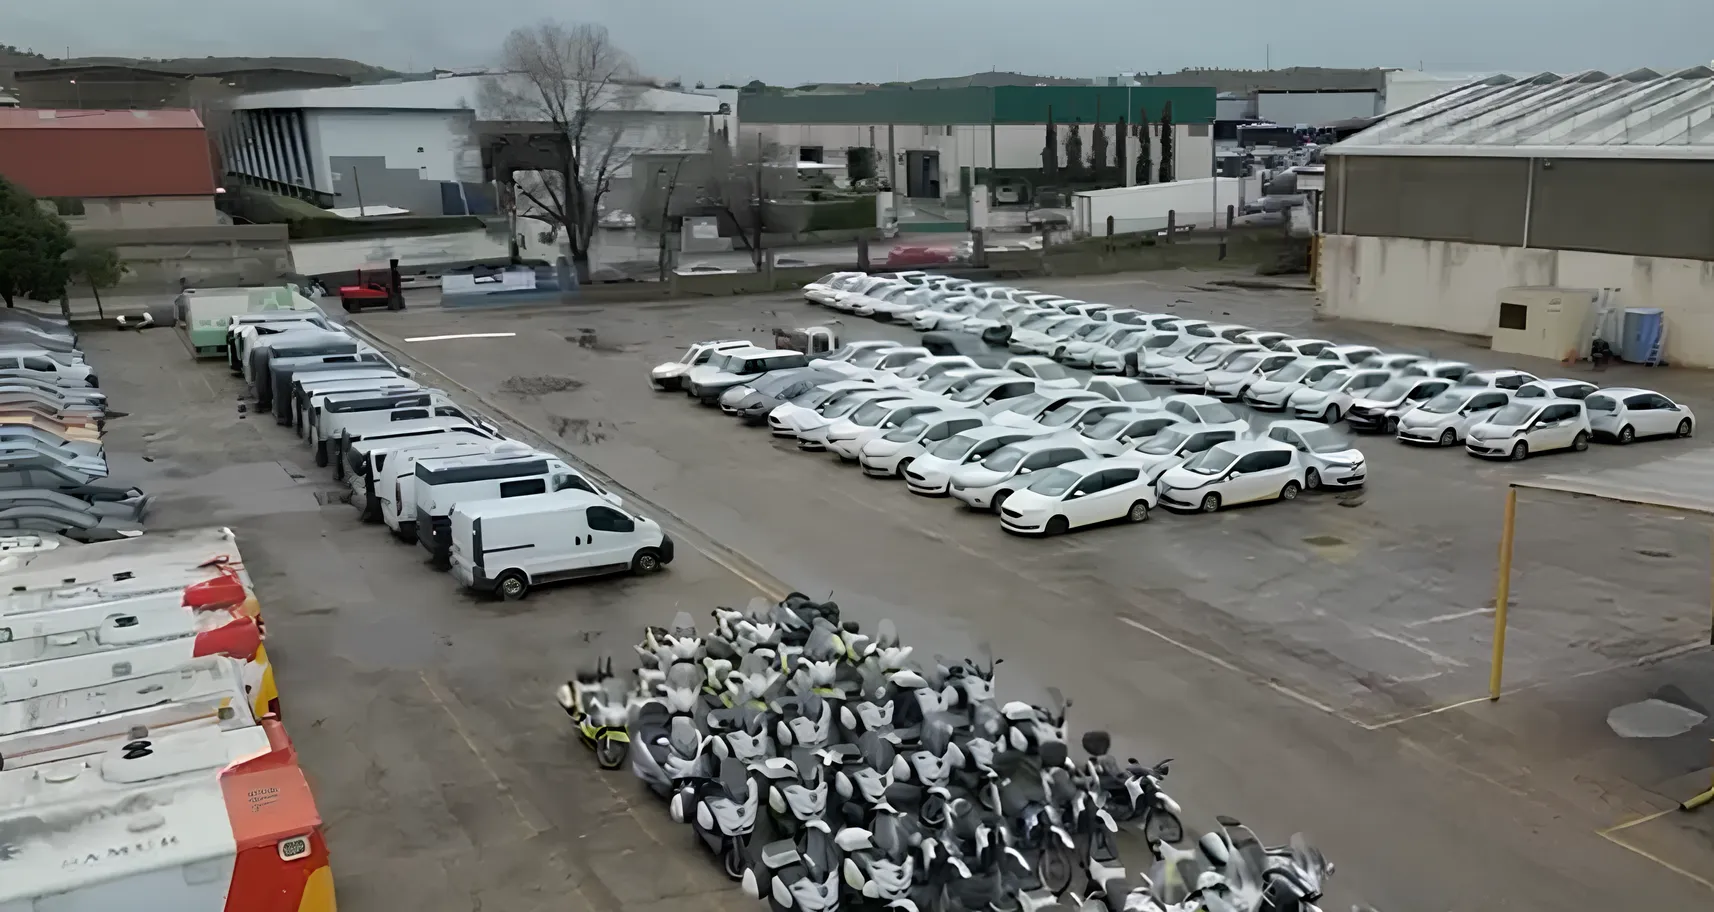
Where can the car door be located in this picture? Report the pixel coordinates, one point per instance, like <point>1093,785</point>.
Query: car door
<point>1477,410</point>
<point>1424,391</point>
<point>1246,482</point>
<point>1655,414</point>
<point>1292,439</point>
<point>609,538</point>
<point>1123,487</point>
<point>1033,463</point>
<point>1551,428</point>
<point>1082,504</point>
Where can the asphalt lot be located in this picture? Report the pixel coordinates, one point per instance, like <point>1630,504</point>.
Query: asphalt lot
<point>1287,677</point>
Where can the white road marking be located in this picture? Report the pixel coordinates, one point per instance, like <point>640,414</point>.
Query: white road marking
<point>461,336</point>
<point>1216,660</point>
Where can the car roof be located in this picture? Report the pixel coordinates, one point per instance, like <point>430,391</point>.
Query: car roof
<point>991,431</point>
<point>1244,447</point>
<point>1501,372</point>
<point>1625,390</point>
<point>520,453</point>
<point>1092,464</point>
<point>1351,348</point>
<point>1563,381</point>
<point>1192,399</point>
<point>1047,441</point>
<point>1295,424</point>
<point>513,506</point>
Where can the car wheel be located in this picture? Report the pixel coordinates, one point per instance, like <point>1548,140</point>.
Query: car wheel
<point>1684,428</point>
<point>512,585</point>
<point>1627,434</point>
<point>1520,451</point>
<point>1058,525</point>
<point>1312,479</point>
<point>1448,437</point>
<point>1211,503</point>
<point>1000,500</point>
<point>899,471</point>
<point>1289,492</point>
<point>1331,416</point>
<point>1580,442</point>
<point>1391,425</point>
<point>646,561</point>
<point>1139,512</point>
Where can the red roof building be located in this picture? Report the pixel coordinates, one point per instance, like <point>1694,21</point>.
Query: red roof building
<point>117,169</point>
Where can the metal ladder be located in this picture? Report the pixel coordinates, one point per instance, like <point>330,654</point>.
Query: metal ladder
<point>1653,360</point>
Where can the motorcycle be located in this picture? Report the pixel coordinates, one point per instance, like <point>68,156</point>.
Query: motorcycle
<point>1095,830</point>
<point>597,703</point>
<point>879,861</point>
<point>800,875</point>
<point>725,813</point>
<point>869,770</point>
<point>672,746</point>
<point>806,720</point>
<point>928,772</point>
<point>797,788</point>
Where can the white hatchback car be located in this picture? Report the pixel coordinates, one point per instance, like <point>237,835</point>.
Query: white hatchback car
<point>1330,397</point>
<point>1243,471</point>
<point>1557,389</point>
<point>987,484</point>
<point>1173,445</point>
<point>843,436</point>
<point>790,419</point>
<point>1124,389</point>
<point>1330,459</point>
<point>1080,493</point>
<point>1271,393</point>
<point>1121,432</point>
<point>888,455</point>
<point>1204,410</point>
<point>1527,426</point>
<point>1446,419</point>
<point>1234,378</point>
<point>931,473</point>
<point>1380,409</point>
<point>670,376</point>
<point>1623,414</point>
<point>1048,373</point>
<point>1026,411</point>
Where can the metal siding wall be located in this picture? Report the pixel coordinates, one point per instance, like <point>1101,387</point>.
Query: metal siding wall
<point>1315,108</point>
<point>1624,206</point>
<point>1475,200</point>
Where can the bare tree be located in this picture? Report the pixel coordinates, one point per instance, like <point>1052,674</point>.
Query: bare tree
<point>577,83</point>
<point>740,185</point>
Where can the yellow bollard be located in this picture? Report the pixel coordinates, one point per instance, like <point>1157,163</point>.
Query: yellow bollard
<point>1691,804</point>
<point>1503,593</point>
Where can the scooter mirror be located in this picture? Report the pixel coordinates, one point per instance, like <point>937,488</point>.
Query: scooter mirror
<point>1097,743</point>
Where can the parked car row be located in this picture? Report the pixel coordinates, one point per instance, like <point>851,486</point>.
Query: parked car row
<point>500,515</point>
<point>1044,450</point>
<point>53,467</point>
<point>1495,413</point>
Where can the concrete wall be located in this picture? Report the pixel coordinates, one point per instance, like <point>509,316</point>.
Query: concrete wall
<point>145,212</point>
<point>157,259</point>
<point>1454,287</point>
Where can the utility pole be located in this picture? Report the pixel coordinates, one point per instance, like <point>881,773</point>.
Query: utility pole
<point>756,247</point>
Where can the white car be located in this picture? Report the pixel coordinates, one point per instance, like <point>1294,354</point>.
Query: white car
<point>1394,362</point>
<point>1449,370</point>
<point>855,288</point>
<point>1121,432</point>
<point>1083,492</point>
<point>806,412</point>
<point>1266,338</point>
<point>1527,426</point>
<point>986,391</point>
<point>1124,356</point>
<point>707,381</point>
<point>1194,376</point>
<point>1041,334</point>
<point>895,304</point>
<point>1172,445</point>
<point>1304,347</point>
<point>947,308</point>
<point>845,437</point>
<point>1048,373</point>
<point>955,380</point>
<point>1380,409</point>
<point>922,370</point>
<point>1498,379</point>
<point>1330,459</point>
<point>1026,411</point>
<point>1111,339</point>
<point>1243,471</point>
<point>1271,393</point>
<point>822,290</point>
<point>1447,419</point>
<point>1349,355</point>
<point>931,473</point>
<point>1330,397</point>
<point>987,484</point>
<point>1229,331</point>
<point>1157,365</point>
<point>1128,390</point>
<point>1077,414</point>
<point>863,302</point>
<point>1623,414</point>
<point>1089,338</point>
<point>670,376</point>
<point>888,455</point>
<point>837,415</point>
<point>1204,410</point>
<point>878,366</point>
<point>1557,389</point>
<point>1233,379</point>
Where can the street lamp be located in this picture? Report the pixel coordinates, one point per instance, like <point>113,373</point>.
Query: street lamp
<point>79,91</point>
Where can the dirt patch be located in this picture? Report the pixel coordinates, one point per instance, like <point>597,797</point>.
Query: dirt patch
<point>579,430</point>
<point>535,387</point>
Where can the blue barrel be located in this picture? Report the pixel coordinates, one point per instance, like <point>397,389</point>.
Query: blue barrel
<point>1641,331</point>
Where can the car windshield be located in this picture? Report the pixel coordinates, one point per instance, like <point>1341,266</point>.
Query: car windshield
<point>1514,415</point>
<point>1065,414</point>
<point>811,398</point>
<point>843,406</point>
<point>1208,355</point>
<point>952,448</point>
<point>944,382</point>
<point>1531,391</point>
<point>1004,459</point>
<point>1602,404</point>
<point>1162,341</point>
<point>871,414</point>
<point>1037,322</point>
<point>1326,440</point>
<point>1054,482</point>
<point>1048,370</point>
<point>1212,461</point>
<point>1215,413</point>
<point>1029,405</point>
<point>1446,403</point>
<point>1333,381</point>
<point>909,431</point>
<point>917,368</point>
<point>1245,362</point>
<point>869,358</point>
<point>1289,373</point>
<point>974,392</point>
<point>1393,390</point>
<point>1165,442</point>
<point>1133,392</point>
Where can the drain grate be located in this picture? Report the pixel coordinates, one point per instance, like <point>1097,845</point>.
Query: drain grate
<point>1324,541</point>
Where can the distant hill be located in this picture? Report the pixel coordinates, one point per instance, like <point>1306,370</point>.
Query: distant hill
<point>1240,81</point>
<point>984,80</point>
<point>14,59</point>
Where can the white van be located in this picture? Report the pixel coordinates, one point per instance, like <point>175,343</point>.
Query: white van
<point>362,462</point>
<point>396,480</point>
<point>353,415</point>
<point>306,385</point>
<point>316,400</point>
<point>447,481</point>
<point>509,546</point>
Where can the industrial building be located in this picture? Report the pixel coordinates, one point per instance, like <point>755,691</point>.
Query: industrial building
<point>105,170</point>
<point>411,145</point>
<point>936,143</point>
<point>1589,181</point>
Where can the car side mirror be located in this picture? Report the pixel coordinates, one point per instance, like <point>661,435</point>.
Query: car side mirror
<point>1025,471</point>
<point>1230,475</point>
<point>1124,440</point>
<point>1076,493</point>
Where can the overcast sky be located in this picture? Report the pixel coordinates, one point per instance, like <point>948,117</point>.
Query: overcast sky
<point>795,41</point>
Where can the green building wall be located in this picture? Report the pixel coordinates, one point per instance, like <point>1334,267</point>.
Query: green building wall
<point>980,105</point>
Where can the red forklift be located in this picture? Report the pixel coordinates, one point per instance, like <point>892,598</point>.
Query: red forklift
<point>374,288</point>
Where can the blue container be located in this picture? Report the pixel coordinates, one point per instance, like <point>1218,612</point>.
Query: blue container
<point>1642,329</point>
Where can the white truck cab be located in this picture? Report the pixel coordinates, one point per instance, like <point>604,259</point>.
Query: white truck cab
<point>509,546</point>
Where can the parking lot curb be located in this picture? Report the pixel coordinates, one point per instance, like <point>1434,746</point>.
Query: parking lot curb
<point>741,566</point>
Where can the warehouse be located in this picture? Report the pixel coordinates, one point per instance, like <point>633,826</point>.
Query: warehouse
<point>935,143</point>
<point>112,169</point>
<point>1589,181</point>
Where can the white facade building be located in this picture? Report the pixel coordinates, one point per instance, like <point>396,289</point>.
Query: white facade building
<point>410,145</point>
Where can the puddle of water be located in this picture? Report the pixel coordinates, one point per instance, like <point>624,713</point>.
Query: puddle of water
<point>1653,719</point>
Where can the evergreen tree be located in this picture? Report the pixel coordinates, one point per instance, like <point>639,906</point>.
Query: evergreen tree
<point>1074,151</point>
<point>1098,152</point>
<point>1119,151</point>
<point>1050,148</point>
<point>33,244</point>
<point>1167,175</point>
<point>1145,163</point>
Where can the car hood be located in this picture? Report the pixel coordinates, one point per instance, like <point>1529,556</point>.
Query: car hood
<point>1014,420</point>
<point>1183,478</point>
<point>1308,395</point>
<point>1352,456</point>
<point>1419,418</point>
<point>1027,501</point>
<point>1273,386</point>
<point>930,466</point>
<point>1486,431</point>
<point>877,446</point>
<point>669,369</point>
<point>976,476</point>
<point>1376,404</point>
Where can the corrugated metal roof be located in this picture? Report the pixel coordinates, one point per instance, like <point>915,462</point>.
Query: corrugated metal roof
<point>452,93</point>
<point>49,119</point>
<point>1640,114</point>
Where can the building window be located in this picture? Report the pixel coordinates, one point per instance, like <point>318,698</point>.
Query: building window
<point>809,154</point>
<point>1514,316</point>
<point>68,205</point>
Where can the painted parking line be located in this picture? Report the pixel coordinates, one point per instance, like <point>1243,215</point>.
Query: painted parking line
<point>460,336</point>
